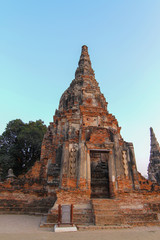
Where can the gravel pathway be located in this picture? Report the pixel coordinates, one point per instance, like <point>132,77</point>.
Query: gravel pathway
<point>23,227</point>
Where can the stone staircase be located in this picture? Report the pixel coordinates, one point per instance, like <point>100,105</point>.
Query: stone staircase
<point>116,212</point>
<point>83,216</point>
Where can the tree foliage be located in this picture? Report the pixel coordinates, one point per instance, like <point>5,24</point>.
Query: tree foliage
<point>20,145</point>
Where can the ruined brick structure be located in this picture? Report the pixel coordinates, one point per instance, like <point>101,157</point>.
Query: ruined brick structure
<point>85,162</point>
<point>83,146</point>
<point>154,164</point>
<point>87,157</point>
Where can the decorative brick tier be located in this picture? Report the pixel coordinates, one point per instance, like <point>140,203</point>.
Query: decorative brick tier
<point>39,206</point>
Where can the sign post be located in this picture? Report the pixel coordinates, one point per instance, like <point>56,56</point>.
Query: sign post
<point>65,219</point>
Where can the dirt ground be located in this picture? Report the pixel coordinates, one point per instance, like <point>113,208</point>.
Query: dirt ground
<point>23,227</point>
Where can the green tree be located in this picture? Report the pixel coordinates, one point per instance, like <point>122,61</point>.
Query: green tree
<point>20,145</point>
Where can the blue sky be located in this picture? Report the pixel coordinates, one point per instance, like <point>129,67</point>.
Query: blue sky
<point>40,45</point>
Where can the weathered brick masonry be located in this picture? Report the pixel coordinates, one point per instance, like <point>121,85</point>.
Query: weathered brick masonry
<point>85,162</point>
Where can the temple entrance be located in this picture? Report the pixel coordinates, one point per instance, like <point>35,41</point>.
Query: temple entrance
<point>99,174</point>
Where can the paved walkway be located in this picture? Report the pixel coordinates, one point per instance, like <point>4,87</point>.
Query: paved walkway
<point>23,227</point>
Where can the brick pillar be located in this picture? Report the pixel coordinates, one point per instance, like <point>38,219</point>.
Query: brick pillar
<point>82,176</point>
<point>112,175</point>
<point>64,165</point>
<point>88,169</point>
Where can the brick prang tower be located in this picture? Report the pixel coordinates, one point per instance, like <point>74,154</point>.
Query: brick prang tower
<point>83,146</point>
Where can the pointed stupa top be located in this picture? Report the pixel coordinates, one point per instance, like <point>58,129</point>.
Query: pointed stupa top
<point>154,143</point>
<point>154,162</point>
<point>84,89</point>
<point>84,64</point>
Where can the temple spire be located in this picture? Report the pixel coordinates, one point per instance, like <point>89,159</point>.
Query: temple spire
<point>154,162</point>
<point>84,65</point>
<point>154,143</point>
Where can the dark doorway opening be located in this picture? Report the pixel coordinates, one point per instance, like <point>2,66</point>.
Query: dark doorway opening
<point>99,174</point>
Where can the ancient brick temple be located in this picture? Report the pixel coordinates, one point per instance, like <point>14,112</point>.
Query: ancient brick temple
<point>85,153</point>
<point>154,164</point>
<point>85,162</point>
<point>83,146</point>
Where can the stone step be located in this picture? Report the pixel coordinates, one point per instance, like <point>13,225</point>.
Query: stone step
<point>109,220</point>
<point>144,223</point>
<point>105,211</point>
<point>104,200</point>
<point>120,211</point>
<point>21,200</point>
<point>93,227</point>
<point>105,203</point>
<point>42,205</point>
<point>104,207</point>
<point>24,209</point>
<point>23,213</point>
<point>5,203</point>
<point>102,219</point>
<point>141,217</point>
